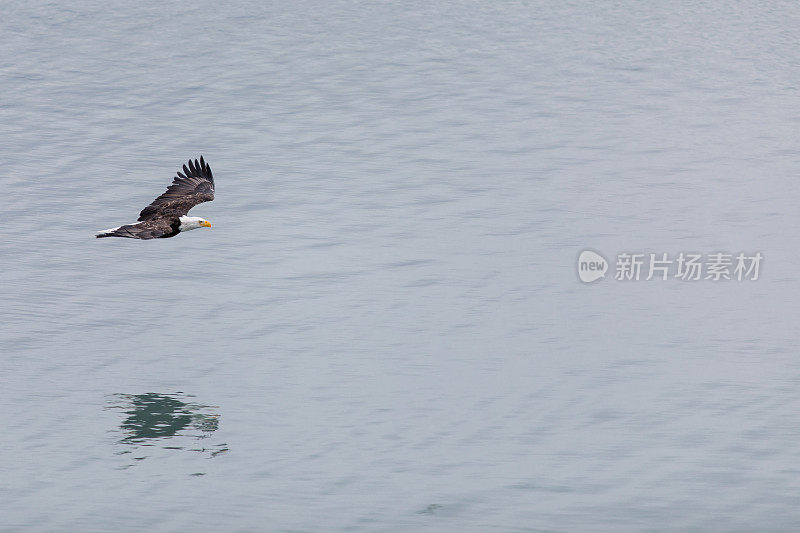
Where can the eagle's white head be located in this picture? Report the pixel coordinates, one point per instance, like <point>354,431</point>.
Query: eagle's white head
<point>188,223</point>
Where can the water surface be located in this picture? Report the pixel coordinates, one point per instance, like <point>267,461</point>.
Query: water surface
<point>384,330</point>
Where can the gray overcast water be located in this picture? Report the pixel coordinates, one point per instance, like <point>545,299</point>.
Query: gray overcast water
<point>385,330</point>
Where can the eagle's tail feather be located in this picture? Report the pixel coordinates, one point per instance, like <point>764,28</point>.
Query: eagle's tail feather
<point>121,231</point>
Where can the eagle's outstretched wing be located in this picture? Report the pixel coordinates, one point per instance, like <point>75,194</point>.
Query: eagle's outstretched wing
<point>194,186</point>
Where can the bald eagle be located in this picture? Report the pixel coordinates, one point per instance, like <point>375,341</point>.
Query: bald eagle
<point>166,216</point>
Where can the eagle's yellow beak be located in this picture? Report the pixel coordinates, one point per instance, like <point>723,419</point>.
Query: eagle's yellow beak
<point>206,224</point>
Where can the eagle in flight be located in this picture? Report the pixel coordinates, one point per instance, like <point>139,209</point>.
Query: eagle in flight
<point>166,216</point>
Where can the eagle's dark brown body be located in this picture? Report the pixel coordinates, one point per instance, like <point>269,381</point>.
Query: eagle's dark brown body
<point>161,228</point>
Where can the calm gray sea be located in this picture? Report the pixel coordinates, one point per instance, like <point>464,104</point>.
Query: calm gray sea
<point>385,330</point>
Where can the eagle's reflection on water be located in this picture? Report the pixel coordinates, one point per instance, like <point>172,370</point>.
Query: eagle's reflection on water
<point>169,421</point>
